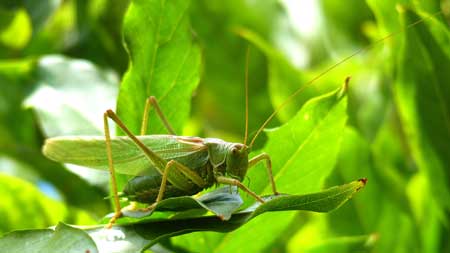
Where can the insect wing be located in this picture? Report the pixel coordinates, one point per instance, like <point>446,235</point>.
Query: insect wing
<point>90,151</point>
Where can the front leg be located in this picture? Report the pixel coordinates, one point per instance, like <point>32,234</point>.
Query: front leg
<point>266,157</point>
<point>235,182</point>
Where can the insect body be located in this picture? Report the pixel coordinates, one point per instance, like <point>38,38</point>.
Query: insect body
<point>164,165</point>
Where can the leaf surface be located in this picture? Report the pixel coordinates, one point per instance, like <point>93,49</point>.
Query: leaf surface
<point>135,235</point>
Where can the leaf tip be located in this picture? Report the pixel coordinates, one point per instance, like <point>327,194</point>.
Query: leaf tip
<point>347,81</point>
<point>344,87</point>
<point>363,181</point>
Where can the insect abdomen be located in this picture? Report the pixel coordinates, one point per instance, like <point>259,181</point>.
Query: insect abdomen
<point>145,189</point>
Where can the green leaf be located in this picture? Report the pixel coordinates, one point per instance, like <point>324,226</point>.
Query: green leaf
<point>136,235</point>
<point>63,239</point>
<point>155,229</point>
<point>164,62</point>
<point>422,96</point>
<point>24,206</point>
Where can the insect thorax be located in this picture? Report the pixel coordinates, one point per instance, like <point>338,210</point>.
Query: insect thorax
<point>228,159</point>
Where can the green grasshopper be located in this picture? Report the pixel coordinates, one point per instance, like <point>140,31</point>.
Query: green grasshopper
<point>166,165</point>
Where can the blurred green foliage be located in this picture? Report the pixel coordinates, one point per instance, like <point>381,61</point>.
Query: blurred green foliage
<point>60,63</point>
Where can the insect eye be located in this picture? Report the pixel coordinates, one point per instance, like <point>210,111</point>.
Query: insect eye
<point>234,151</point>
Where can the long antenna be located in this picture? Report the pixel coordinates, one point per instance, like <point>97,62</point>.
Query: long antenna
<point>332,67</point>
<point>247,59</point>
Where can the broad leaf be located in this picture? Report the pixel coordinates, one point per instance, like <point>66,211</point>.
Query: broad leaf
<point>164,62</point>
<point>134,236</point>
<point>324,201</point>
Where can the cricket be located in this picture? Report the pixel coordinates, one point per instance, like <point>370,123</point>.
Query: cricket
<point>169,165</point>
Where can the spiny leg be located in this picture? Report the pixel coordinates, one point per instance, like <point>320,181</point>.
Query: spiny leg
<point>151,101</point>
<point>235,182</point>
<point>117,212</point>
<point>266,157</point>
